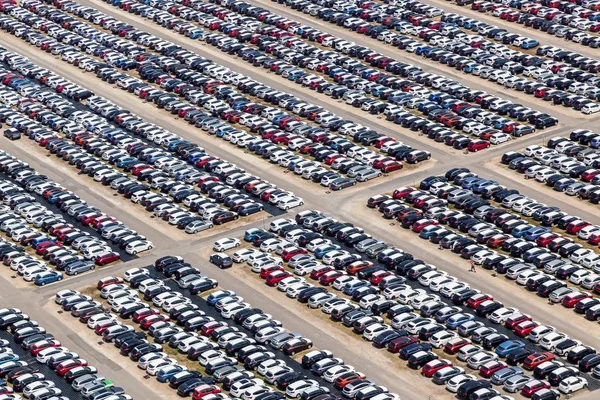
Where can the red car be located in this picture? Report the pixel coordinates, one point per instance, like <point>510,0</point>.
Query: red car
<point>594,239</point>
<point>68,365</point>
<point>399,343</point>
<point>287,254</point>
<point>265,271</point>
<point>546,238</point>
<point>330,277</point>
<point>379,163</point>
<point>536,359</point>
<point>574,227</point>
<point>147,322</point>
<point>43,246</point>
<point>107,258</point>
<point>515,320</point>
<point>590,174</point>
<point>44,344</point>
<point>317,273</point>
<point>477,299</point>
<point>358,266</point>
<point>421,200</point>
<point>390,166</point>
<point>109,280</point>
<point>208,329</point>
<point>433,366</point>
<point>477,145</point>
<point>99,329</point>
<point>454,345</point>
<point>378,276</point>
<point>277,276</point>
<point>570,300</point>
<point>143,313</point>
<point>205,390</point>
<point>497,240</point>
<point>139,168</point>
<point>524,328</point>
<point>533,386</point>
<point>489,368</point>
<point>420,225</point>
<point>347,378</point>
<point>402,192</point>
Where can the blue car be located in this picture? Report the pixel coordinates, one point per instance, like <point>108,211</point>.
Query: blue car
<point>250,234</point>
<point>509,346</point>
<point>351,287</point>
<point>530,44</point>
<point>47,277</point>
<point>213,298</point>
<point>320,253</point>
<point>536,232</point>
<point>8,357</point>
<point>458,319</point>
<point>166,373</point>
<point>521,231</point>
<point>469,182</point>
<point>479,187</point>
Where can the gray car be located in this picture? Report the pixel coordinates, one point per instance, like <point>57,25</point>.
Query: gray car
<point>499,377</point>
<point>278,341</point>
<point>515,383</point>
<point>79,267</point>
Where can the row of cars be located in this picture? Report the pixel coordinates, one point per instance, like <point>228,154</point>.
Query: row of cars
<point>63,233</point>
<point>444,41</point>
<point>49,234</point>
<point>569,21</point>
<point>95,144</point>
<point>562,165</point>
<point>370,293</point>
<point>53,372</point>
<point>330,372</point>
<point>534,259</point>
<point>254,121</point>
<point>445,117</point>
<point>450,53</point>
<point>236,346</point>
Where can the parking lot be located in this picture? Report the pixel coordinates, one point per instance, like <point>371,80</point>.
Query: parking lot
<point>153,130</point>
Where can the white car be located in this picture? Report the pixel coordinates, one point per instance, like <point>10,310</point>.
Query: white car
<point>289,202</point>
<point>130,273</point>
<point>155,366</point>
<point>499,137</point>
<point>454,383</point>
<point>501,315</point>
<point>226,244</point>
<point>572,384</point>
<point>332,373</point>
<point>295,389</point>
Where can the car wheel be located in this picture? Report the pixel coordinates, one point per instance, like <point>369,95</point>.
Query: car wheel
<point>43,283</point>
<point>75,273</point>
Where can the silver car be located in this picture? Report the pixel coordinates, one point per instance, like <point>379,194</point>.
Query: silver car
<point>515,383</point>
<point>499,377</point>
<point>198,226</point>
<point>367,174</point>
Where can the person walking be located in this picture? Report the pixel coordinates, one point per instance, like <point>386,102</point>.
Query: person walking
<point>472,267</point>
